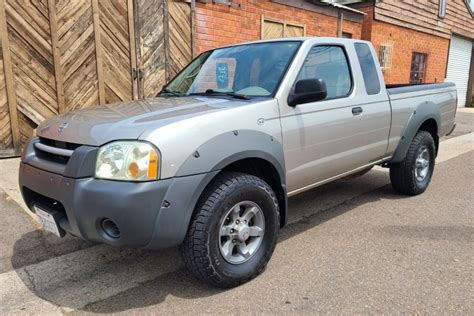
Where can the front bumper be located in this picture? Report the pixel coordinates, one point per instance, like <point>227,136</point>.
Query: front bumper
<point>153,214</point>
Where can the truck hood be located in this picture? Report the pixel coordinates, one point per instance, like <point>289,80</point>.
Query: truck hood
<point>99,125</point>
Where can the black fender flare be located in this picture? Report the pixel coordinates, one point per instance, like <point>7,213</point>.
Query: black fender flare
<point>227,148</point>
<point>423,113</point>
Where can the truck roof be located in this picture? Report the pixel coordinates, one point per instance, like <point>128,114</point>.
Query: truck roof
<point>315,39</point>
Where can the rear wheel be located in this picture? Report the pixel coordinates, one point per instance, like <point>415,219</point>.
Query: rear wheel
<point>413,175</point>
<point>233,232</point>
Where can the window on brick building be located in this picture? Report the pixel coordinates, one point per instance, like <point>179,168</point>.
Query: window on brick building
<point>385,56</point>
<point>273,28</point>
<point>418,67</point>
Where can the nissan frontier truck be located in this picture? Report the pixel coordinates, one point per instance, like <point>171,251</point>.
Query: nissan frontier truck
<point>209,163</point>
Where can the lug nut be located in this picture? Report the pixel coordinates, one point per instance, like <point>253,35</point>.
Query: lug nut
<point>237,222</point>
<point>232,231</point>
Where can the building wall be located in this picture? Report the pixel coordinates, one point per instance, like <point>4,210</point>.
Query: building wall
<point>405,41</point>
<point>218,25</point>
<point>422,15</point>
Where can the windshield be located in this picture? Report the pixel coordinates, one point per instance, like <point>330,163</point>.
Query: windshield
<point>249,70</point>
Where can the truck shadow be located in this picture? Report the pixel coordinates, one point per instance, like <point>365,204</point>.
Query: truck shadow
<point>102,279</point>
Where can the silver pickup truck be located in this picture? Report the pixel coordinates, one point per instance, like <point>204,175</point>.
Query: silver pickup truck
<point>210,162</point>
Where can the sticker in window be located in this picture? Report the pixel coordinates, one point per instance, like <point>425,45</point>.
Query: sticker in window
<point>222,75</point>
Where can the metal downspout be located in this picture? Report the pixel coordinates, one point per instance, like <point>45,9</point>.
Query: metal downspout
<point>193,28</point>
<point>340,19</point>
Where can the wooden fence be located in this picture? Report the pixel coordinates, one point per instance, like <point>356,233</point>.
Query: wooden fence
<point>61,55</point>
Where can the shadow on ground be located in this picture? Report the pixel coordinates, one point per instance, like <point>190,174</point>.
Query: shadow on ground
<point>102,279</point>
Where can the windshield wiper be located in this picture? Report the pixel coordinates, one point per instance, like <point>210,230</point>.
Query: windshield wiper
<point>231,94</point>
<point>174,93</point>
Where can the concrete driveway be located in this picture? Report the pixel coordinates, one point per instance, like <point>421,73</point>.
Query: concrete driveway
<point>353,246</point>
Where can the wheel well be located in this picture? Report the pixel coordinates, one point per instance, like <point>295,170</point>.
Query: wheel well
<point>267,172</point>
<point>431,127</point>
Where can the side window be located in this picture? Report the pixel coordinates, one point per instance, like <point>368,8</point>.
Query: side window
<point>330,64</point>
<point>369,70</point>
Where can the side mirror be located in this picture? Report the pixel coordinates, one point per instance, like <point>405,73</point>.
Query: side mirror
<point>308,90</point>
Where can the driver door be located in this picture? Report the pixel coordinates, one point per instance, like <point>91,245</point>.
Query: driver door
<point>323,139</point>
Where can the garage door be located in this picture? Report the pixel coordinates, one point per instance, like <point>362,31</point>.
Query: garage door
<point>458,66</point>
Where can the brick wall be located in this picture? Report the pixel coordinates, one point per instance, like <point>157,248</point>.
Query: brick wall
<point>405,42</point>
<point>218,25</point>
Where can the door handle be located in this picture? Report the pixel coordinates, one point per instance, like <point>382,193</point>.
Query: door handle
<point>357,110</point>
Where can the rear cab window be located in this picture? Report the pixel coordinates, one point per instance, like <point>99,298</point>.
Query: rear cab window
<point>368,68</point>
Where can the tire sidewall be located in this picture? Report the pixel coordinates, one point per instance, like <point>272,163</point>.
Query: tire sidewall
<point>260,196</point>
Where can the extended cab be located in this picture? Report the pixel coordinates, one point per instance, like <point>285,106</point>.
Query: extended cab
<point>210,162</point>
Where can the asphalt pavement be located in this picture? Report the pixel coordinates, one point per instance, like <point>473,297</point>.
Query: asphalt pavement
<point>352,246</point>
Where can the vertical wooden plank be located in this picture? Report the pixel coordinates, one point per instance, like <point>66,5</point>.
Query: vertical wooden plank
<point>133,52</point>
<point>138,49</point>
<point>78,53</point>
<point>56,55</point>
<point>180,34</point>
<point>115,50</point>
<point>32,63</point>
<point>193,32</point>
<point>6,143</point>
<point>98,51</point>
<point>152,50</point>
<point>10,84</point>
<point>166,29</point>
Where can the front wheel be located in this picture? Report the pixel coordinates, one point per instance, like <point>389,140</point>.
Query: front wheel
<point>413,175</point>
<point>233,231</point>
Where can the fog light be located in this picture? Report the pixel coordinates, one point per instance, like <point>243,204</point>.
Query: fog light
<point>110,228</point>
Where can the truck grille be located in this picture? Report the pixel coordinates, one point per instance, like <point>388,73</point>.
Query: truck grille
<point>53,150</point>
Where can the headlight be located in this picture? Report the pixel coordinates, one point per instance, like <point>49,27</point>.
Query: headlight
<point>127,161</point>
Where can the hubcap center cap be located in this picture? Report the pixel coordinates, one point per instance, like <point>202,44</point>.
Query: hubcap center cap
<point>243,233</point>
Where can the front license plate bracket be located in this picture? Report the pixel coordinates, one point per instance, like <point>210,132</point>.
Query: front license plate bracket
<point>49,220</point>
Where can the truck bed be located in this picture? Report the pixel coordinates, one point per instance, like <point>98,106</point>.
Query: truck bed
<point>435,100</point>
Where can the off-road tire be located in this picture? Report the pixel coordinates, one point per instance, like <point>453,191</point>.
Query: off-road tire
<point>200,249</point>
<point>402,175</point>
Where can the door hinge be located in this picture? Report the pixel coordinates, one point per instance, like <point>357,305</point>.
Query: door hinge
<point>137,73</point>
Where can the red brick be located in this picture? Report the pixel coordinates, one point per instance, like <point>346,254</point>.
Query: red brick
<point>223,25</point>
<point>405,42</point>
